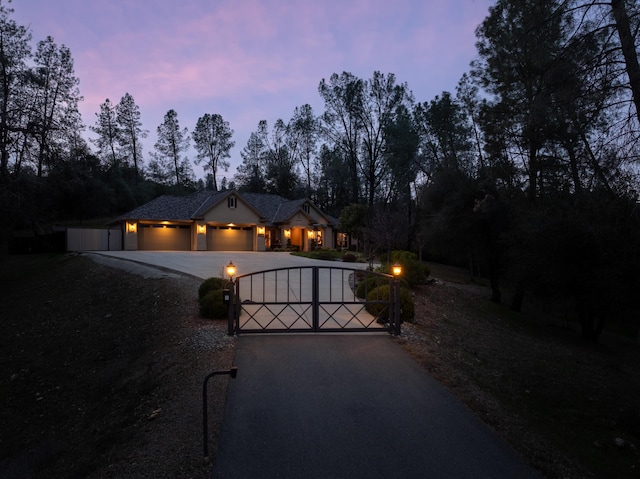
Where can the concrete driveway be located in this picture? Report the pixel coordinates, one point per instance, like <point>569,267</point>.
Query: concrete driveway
<point>334,284</point>
<point>205,264</point>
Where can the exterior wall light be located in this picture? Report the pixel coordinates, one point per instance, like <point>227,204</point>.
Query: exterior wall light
<point>132,227</point>
<point>202,229</point>
<point>231,270</point>
<point>310,234</point>
<point>287,233</point>
<point>260,230</point>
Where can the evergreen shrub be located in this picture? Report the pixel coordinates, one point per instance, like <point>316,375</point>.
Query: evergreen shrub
<point>212,305</point>
<point>381,293</point>
<point>349,258</point>
<point>211,284</point>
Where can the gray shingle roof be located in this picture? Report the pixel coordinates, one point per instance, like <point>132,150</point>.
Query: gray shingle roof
<point>168,207</point>
<point>287,209</point>
<point>211,198</point>
<point>267,205</point>
<point>273,208</point>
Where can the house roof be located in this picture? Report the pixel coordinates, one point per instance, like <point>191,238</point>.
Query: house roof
<point>169,207</point>
<point>273,208</point>
<point>267,205</point>
<point>287,209</point>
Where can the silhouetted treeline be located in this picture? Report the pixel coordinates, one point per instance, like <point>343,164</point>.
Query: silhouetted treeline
<point>526,172</point>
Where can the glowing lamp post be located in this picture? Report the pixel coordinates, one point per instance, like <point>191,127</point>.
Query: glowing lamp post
<point>228,295</point>
<point>396,269</point>
<point>231,270</point>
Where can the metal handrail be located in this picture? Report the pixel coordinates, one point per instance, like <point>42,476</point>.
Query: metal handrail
<point>233,372</point>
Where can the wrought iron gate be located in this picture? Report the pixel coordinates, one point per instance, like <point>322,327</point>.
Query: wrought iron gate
<point>314,299</point>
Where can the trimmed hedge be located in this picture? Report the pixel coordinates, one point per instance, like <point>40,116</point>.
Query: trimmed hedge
<point>413,271</point>
<point>211,284</point>
<point>349,258</point>
<point>210,298</point>
<point>369,283</point>
<point>407,308</point>
<point>212,306</point>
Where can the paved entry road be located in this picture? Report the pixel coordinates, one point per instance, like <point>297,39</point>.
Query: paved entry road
<point>349,406</point>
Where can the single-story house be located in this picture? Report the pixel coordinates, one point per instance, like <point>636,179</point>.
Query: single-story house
<point>228,221</point>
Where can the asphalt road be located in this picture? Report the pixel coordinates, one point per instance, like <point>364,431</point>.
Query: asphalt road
<point>334,406</point>
<point>349,406</point>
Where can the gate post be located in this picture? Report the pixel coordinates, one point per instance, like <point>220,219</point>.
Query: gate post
<point>237,306</point>
<point>396,306</point>
<point>231,316</point>
<point>315,288</point>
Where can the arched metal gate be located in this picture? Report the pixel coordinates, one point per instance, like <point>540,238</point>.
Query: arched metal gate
<point>314,299</point>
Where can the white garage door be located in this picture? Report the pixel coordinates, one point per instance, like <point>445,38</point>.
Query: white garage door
<point>229,238</point>
<point>164,237</point>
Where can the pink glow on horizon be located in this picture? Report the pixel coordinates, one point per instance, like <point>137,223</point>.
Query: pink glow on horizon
<point>251,60</point>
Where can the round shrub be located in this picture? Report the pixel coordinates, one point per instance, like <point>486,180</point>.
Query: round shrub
<point>413,270</point>
<point>211,284</point>
<point>349,258</point>
<point>407,308</point>
<point>369,283</point>
<point>212,306</point>
<point>325,255</point>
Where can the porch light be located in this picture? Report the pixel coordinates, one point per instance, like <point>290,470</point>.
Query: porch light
<point>396,269</point>
<point>287,233</point>
<point>132,227</point>
<point>310,234</point>
<point>260,230</point>
<point>202,229</point>
<point>231,270</point>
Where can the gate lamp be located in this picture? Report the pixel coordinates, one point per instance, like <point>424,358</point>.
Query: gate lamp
<point>231,270</point>
<point>396,269</point>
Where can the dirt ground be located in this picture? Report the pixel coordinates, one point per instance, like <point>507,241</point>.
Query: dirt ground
<point>569,406</point>
<point>102,370</point>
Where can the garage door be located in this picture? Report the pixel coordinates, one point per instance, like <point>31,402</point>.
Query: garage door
<point>164,237</point>
<point>229,238</point>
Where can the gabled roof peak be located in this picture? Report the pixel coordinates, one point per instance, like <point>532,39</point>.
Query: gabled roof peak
<point>272,208</point>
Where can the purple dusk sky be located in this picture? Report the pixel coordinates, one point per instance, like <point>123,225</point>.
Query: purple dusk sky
<point>250,60</point>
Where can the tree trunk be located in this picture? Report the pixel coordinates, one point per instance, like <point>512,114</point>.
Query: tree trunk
<point>496,295</point>
<point>518,298</point>
<point>591,326</point>
<point>628,49</point>
<point>590,323</point>
<point>573,164</point>
<point>494,275</point>
<point>473,264</point>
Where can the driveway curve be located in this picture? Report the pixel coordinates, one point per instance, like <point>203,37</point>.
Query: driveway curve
<point>335,405</point>
<point>205,264</point>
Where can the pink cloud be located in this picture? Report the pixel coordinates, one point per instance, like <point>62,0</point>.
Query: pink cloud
<point>253,59</point>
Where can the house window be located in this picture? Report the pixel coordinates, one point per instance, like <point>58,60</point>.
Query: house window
<point>231,202</point>
<point>306,208</point>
